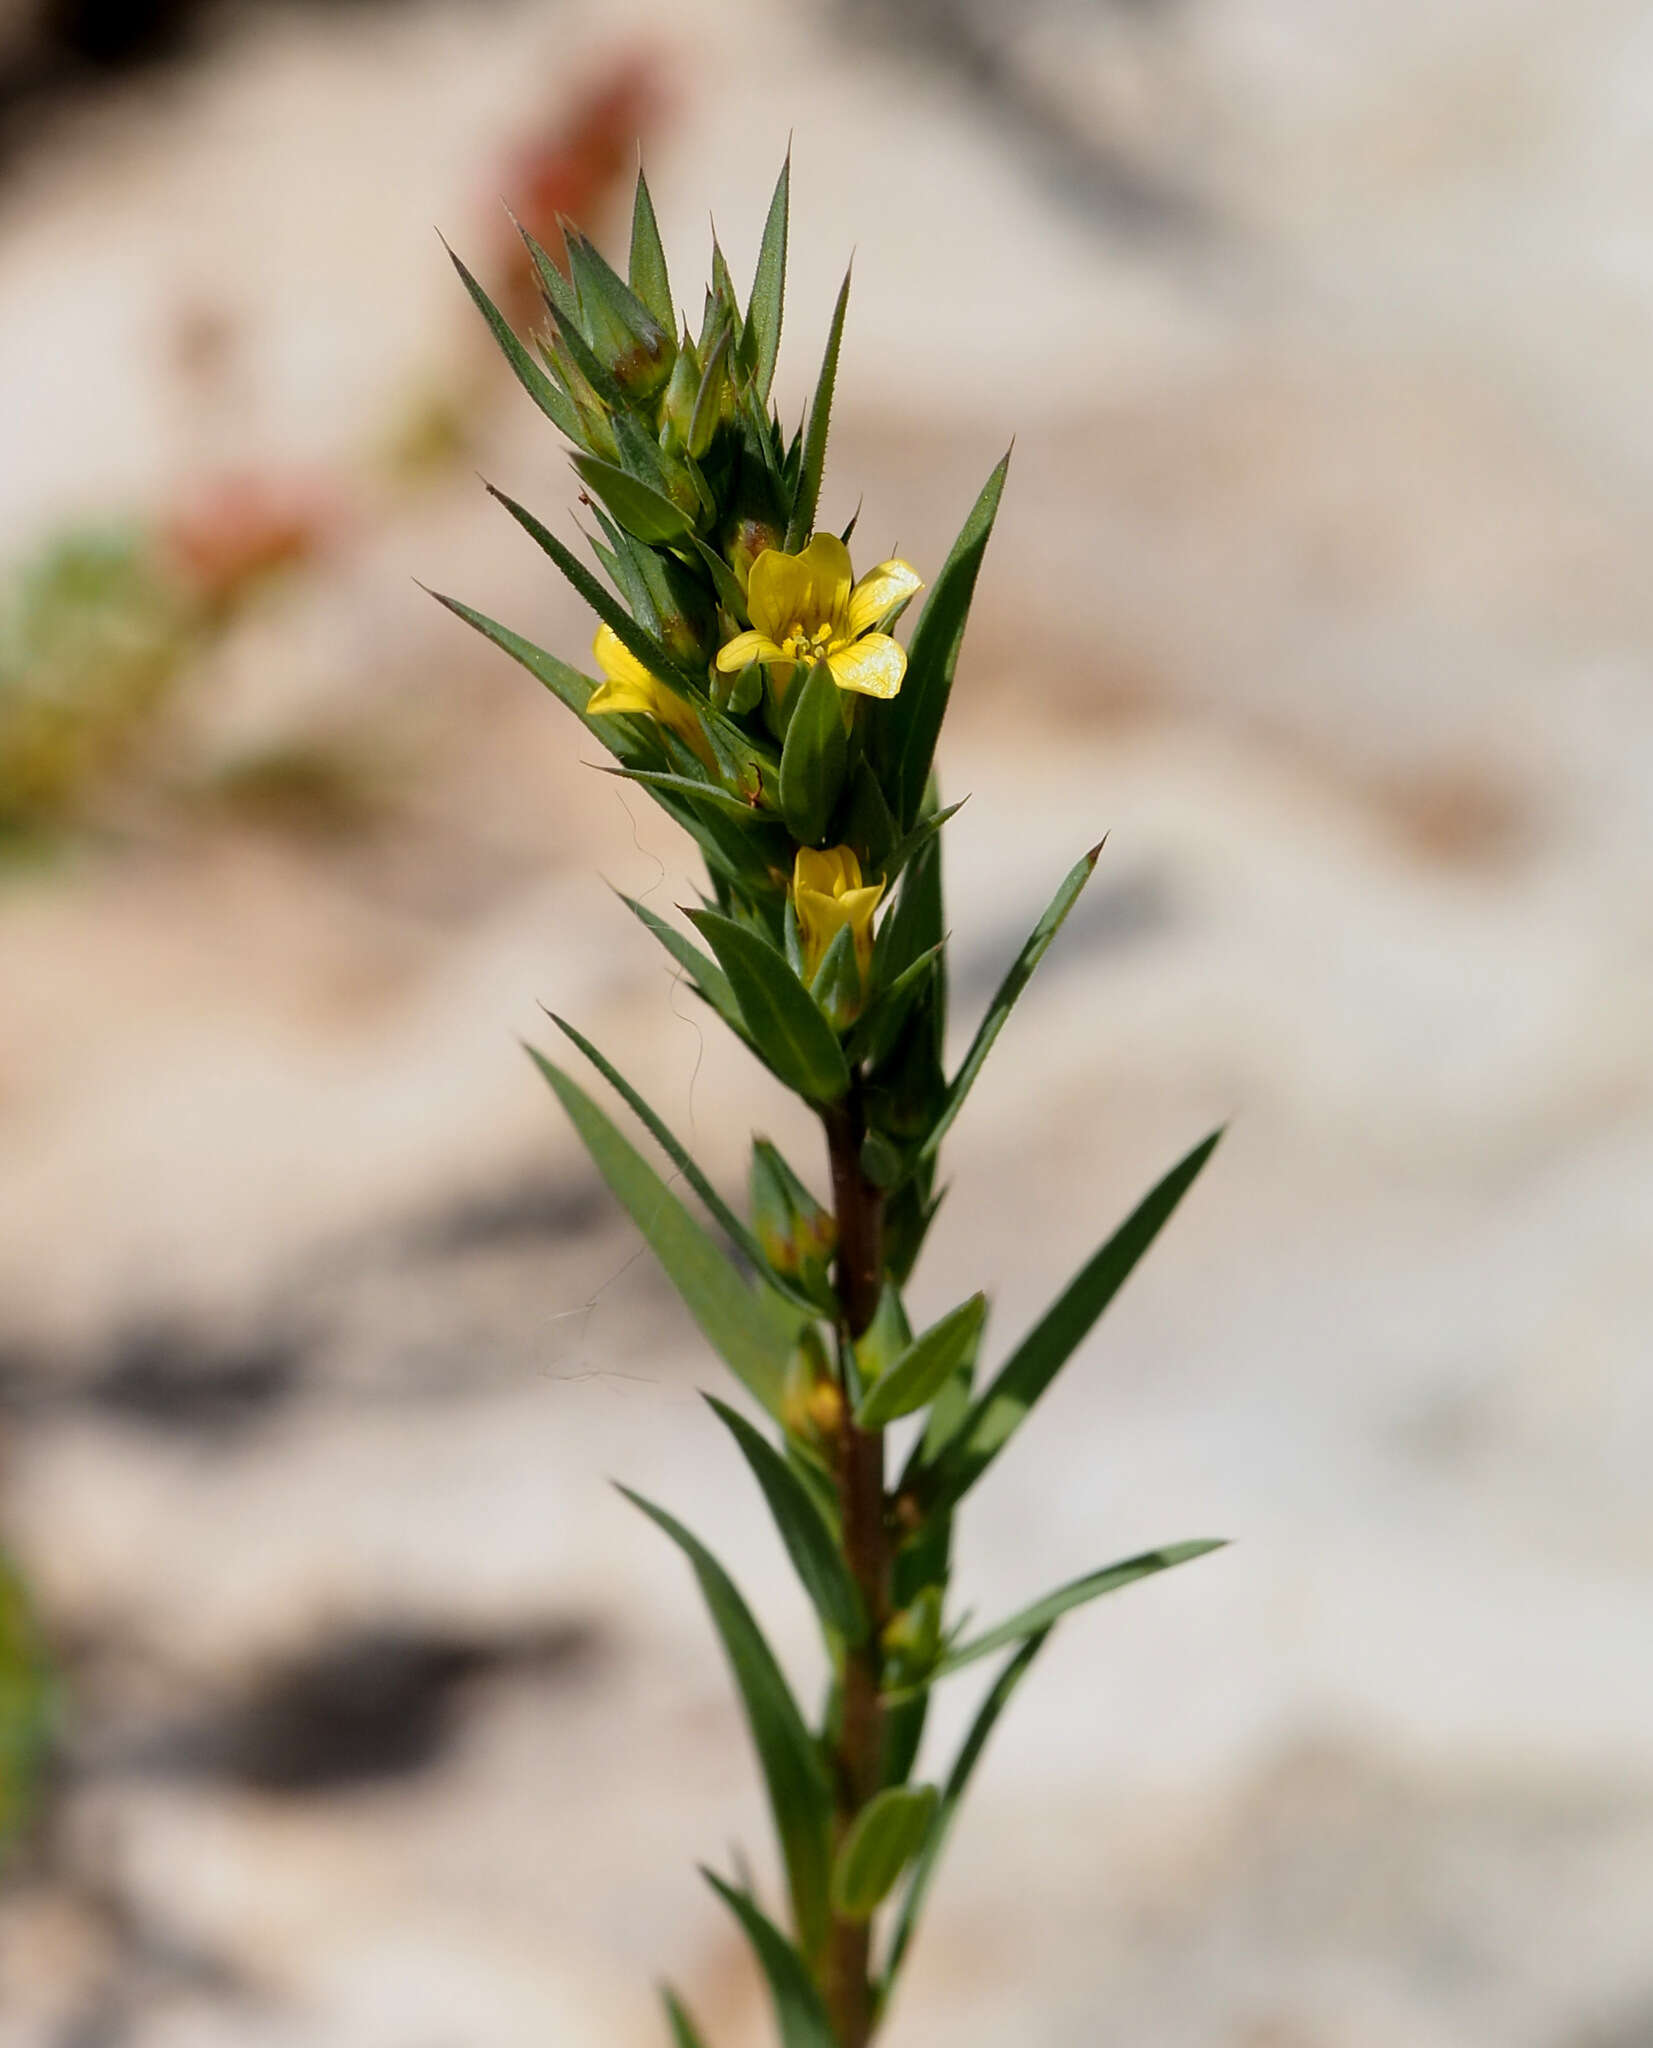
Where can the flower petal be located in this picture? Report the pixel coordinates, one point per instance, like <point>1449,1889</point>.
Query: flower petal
<point>828,872</point>
<point>735,654</point>
<point>878,591</point>
<point>620,665</point>
<point>621,695</point>
<point>872,665</point>
<point>810,589</point>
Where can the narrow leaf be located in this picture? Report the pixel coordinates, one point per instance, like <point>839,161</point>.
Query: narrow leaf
<point>738,1233</point>
<point>607,607</point>
<point>996,1415</point>
<point>693,791</point>
<point>1021,973</point>
<point>1033,1620</point>
<point>799,2013</point>
<point>887,1834</point>
<point>921,1371</point>
<point>762,339</point>
<point>553,403</point>
<point>912,721</point>
<point>809,1543</point>
<point>649,278</point>
<point>559,293</point>
<point>562,681</point>
<point>784,1025</point>
<point>958,1780</point>
<point>802,522</point>
<point>642,510</point>
<point>793,1773</point>
<point>751,1329</point>
<point>814,757</point>
<point>705,975</point>
<point>685,2034</point>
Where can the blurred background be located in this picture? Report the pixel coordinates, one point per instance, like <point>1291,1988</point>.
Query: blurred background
<point>369,1717</point>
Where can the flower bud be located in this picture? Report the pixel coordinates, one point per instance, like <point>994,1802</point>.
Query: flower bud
<point>812,1404</point>
<point>797,1235</point>
<point>912,1639</point>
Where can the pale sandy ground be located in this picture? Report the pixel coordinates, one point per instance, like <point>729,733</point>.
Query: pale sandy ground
<point>1321,586</point>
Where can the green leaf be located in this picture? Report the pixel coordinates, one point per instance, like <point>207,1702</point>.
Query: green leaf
<point>802,522</point>
<point>762,340</point>
<point>685,2034</point>
<point>782,1021</point>
<point>694,792</point>
<point>912,721</point>
<point>738,1233</point>
<point>25,1706</point>
<point>705,976</point>
<point>799,2014</point>
<point>607,607</point>
<point>875,1036</point>
<point>708,402</point>
<point>809,1543</point>
<point>1033,1620</point>
<point>643,511</point>
<point>799,1796</point>
<point>554,403</point>
<point>1021,973</point>
<point>958,1780</point>
<point>886,1835</point>
<point>751,1329</point>
<point>563,682</point>
<point>814,757</point>
<point>921,1371</point>
<point>649,277</point>
<point>996,1415</point>
<point>639,347</point>
<point>559,293</point>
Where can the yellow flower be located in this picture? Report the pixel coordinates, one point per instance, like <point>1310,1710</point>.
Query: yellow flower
<point>827,893</point>
<point>628,686</point>
<point>808,607</point>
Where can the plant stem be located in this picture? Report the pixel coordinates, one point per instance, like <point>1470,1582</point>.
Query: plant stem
<point>859,1279</point>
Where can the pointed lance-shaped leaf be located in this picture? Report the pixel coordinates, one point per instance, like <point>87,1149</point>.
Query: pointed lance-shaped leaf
<point>559,294</point>
<point>920,1373</point>
<point>793,1773</point>
<point>642,510</point>
<point>635,347</point>
<point>911,722</point>
<point>554,403</point>
<point>799,2014</point>
<point>685,2034</point>
<point>1038,1617</point>
<point>760,345</point>
<point>738,1233</point>
<point>608,608</point>
<point>995,1415</point>
<point>706,978</point>
<point>801,524</point>
<point>814,757</point>
<point>649,277</point>
<point>1004,1000</point>
<point>565,683</point>
<point>876,1033</point>
<point>752,1329</point>
<point>809,1543</point>
<point>958,1780</point>
<point>693,792</point>
<point>783,1023</point>
<point>884,1838</point>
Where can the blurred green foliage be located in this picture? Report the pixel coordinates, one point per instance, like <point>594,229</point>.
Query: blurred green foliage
<point>24,1695</point>
<point>92,635</point>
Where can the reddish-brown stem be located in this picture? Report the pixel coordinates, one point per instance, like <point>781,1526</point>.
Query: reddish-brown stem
<point>859,1279</point>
